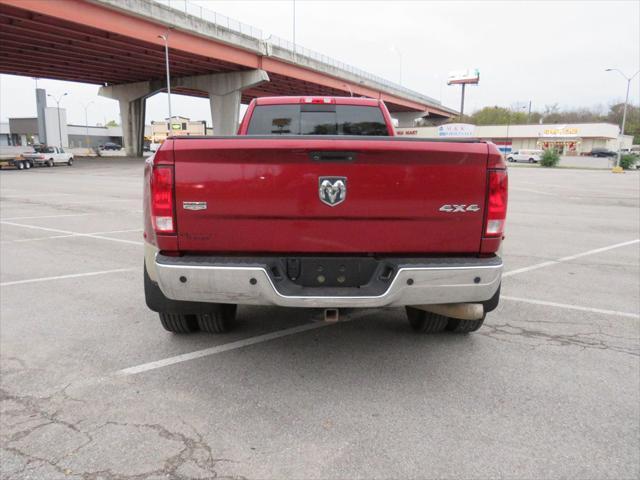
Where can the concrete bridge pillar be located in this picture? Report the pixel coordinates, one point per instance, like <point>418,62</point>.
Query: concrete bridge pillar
<point>224,90</point>
<point>132,98</point>
<point>225,93</point>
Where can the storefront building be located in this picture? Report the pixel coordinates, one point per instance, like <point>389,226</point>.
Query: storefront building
<point>178,126</point>
<point>568,139</point>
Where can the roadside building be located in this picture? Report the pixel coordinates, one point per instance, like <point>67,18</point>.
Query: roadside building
<point>5,134</point>
<point>83,136</point>
<point>20,134</point>
<point>177,126</point>
<point>568,139</point>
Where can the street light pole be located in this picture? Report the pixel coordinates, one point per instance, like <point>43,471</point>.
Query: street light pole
<point>165,37</point>
<point>58,100</point>
<point>86,122</point>
<point>624,113</point>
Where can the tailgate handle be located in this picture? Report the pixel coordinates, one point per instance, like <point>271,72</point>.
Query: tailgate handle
<point>332,156</point>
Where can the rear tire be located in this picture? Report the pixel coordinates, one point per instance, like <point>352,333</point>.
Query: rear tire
<point>178,323</point>
<point>426,322</point>
<point>219,319</point>
<point>70,162</point>
<point>49,163</point>
<point>20,165</point>
<point>464,326</point>
<point>531,160</point>
<point>27,164</point>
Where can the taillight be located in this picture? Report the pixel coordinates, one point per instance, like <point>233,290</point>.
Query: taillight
<point>496,203</point>
<point>162,209</point>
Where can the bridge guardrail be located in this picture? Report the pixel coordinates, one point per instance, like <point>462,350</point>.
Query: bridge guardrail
<point>189,8</point>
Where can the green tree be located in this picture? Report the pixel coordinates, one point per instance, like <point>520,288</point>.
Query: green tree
<point>632,125</point>
<point>550,158</point>
<point>628,161</point>
<point>112,123</point>
<point>498,116</point>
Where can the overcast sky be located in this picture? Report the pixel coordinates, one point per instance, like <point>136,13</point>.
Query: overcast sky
<point>546,51</point>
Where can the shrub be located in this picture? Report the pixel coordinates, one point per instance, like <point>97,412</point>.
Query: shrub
<point>550,158</point>
<point>628,161</point>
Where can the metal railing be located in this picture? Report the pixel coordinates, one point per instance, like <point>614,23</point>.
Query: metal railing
<point>189,8</point>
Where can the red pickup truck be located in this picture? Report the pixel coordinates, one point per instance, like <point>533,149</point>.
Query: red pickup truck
<point>316,203</point>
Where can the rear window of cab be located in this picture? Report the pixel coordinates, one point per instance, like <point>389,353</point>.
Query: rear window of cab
<point>314,119</point>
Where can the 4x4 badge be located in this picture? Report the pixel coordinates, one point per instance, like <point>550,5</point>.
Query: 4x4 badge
<point>453,208</point>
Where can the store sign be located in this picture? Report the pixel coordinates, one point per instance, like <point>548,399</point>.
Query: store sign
<point>176,126</point>
<point>471,75</point>
<point>504,146</point>
<point>406,132</point>
<point>456,130</point>
<point>561,131</point>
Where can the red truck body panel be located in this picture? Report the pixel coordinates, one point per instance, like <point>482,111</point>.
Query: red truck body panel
<point>262,196</point>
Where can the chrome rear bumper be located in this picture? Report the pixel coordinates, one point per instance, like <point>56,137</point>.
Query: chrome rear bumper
<point>430,281</point>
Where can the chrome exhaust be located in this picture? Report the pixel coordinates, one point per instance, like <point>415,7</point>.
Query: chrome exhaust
<point>462,311</point>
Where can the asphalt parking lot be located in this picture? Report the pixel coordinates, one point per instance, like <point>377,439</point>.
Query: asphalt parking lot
<point>94,388</point>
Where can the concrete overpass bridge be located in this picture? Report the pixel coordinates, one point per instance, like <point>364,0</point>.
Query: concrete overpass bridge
<point>115,43</point>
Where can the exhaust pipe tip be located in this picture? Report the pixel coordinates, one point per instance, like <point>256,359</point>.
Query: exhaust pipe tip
<point>331,315</point>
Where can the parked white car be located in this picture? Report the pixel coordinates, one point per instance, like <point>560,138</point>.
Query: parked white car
<point>531,156</point>
<point>48,156</point>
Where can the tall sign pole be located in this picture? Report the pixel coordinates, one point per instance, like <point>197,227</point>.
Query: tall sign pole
<point>462,78</point>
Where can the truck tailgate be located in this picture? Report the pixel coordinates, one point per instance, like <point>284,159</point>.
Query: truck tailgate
<point>262,195</point>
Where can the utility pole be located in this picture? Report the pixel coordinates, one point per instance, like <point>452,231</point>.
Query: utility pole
<point>58,100</point>
<point>294,29</point>
<point>624,114</point>
<point>462,102</point>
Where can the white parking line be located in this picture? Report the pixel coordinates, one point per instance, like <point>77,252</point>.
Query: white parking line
<point>145,367</point>
<point>30,195</point>
<point>569,258</point>
<point>530,190</point>
<point>63,277</point>
<point>51,216</point>
<point>131,230</point>
<point>570,307</point>
<point>74,202</point>
<point>50,237</point>
<point>92,234</point>
<point>76,234</point>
